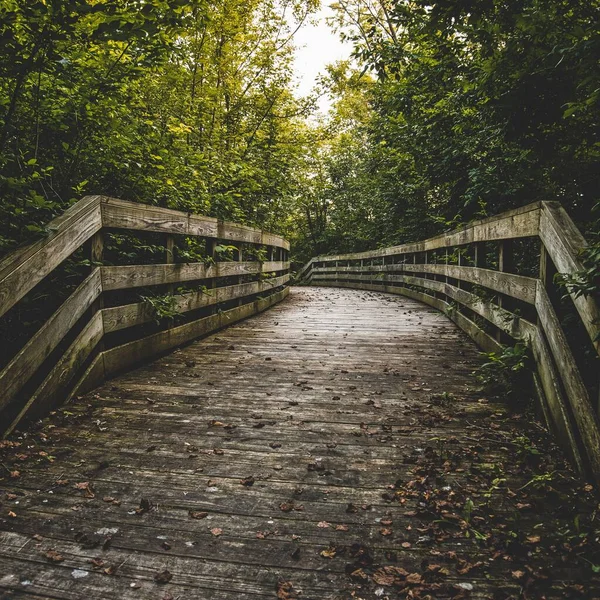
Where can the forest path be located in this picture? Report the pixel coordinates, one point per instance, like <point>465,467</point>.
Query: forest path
<point>331,447</point>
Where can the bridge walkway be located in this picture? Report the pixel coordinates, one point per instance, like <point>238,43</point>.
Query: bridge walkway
<point>333,447</point>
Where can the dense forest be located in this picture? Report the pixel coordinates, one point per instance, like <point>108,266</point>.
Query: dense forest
<point>445,112</point>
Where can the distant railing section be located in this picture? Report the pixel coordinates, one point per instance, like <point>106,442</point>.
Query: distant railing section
<point>476,276</point>
<point>87,339</point>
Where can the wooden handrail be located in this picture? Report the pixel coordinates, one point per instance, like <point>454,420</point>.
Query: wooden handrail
<point>409,270</point>
<point>35,379</point>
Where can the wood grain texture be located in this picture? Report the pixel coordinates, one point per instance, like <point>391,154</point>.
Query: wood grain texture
<point>328,401</point>
<point>24,269</point>
<point>575,390</point>
<point>132,276</point>
<point>48,395</point>
<point>517,286</point>
<point>564,243</point>
<point>121,214</point>
<point>23,366</point>
<point>124,357</point>
<point>129,315</point>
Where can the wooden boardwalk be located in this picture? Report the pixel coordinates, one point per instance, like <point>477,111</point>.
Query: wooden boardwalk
<point>333,447</point>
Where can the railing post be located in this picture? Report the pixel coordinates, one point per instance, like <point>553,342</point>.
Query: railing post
<point>505,264</point>
<point>170,257</point>
<point>240,278</point>
<point>446,257</point>
<point>96,254</point>
<point>211,253</point>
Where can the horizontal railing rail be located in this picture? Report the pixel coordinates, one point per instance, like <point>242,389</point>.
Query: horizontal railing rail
<point>86,340</point>
<point>498,295</point>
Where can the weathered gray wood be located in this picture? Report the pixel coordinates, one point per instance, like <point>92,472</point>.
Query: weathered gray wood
<point>132,276</point>
<point>121,277</point>
<point>564,243</point>
<point>123,357</point>
<point>24,365</point>
<point>142,217</point>
<point>577,394</point>
<point>24,269</point>
<point>563,427</point>
<point>480,337</point>
<point>129,315</point>
<point>55,384</point>
<point>339,378</point>
<point>517,286</point>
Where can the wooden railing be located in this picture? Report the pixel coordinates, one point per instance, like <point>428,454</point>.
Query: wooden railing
<point>495,279</point>
<point>103,325</point>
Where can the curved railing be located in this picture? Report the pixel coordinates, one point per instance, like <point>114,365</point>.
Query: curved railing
<point>104,326</point>
<point>495,279</point>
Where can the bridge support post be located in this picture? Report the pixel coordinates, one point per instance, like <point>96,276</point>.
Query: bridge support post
<point>96,254</point>
<point>170,256</point>
<point>240,279</point>
<point>211,286</point>
<point>505,264</point>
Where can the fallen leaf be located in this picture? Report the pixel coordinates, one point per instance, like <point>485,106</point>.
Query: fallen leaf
<point>197,515</point>
<point>248,481</point>
<point>163,577</point>
<point>53,556</point>
<point>216,531</point>
<point>86,488</point>
<point>285,590</point>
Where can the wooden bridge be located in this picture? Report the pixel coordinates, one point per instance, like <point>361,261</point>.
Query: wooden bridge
<point>335,446</point>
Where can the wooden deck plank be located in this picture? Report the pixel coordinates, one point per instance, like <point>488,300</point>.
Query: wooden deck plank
<point>333,402</point>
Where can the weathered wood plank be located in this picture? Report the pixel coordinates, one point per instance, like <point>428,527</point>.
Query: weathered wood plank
<point>22,367</point>
<point>55,384</point>
<point>143,217</point>
<point>131,276</point>
<point>23,270</point>
<point>576,392</point>
<point>564,243</point>
<point>516,286</point>
<point>129,315</point>
<point>123,357</point>
<point>329,401</point>
<point>480,337</point>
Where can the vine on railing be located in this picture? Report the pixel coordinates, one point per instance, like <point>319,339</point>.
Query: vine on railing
<point>497,280</point>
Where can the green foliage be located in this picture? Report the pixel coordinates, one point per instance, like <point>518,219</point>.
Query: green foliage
<point>455,111</point>
<point>180,103</point>
<point>505,373</point>
<point>164,307</point>
<point>225,252</point>
<point>257,254</point>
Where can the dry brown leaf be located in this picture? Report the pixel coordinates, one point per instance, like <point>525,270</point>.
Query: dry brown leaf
<point>197,514</point>
<point>53,556</point>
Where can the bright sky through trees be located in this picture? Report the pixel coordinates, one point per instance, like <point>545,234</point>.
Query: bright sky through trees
<point>318,45</point>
